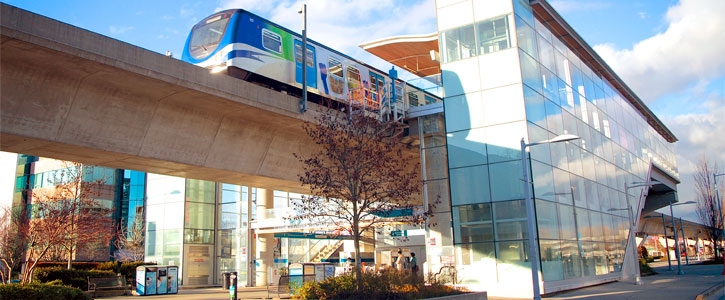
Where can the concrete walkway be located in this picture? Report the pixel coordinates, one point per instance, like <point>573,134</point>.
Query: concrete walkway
<point>216,293</point>
<point>665,285</point>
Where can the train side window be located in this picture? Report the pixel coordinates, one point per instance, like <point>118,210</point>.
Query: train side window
<point>337,83</point>
<point>271,41</point>
<point>310,57</point>
<point>335,67</point>
<point>353,78</point>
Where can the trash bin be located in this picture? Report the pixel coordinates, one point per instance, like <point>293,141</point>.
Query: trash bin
<point>227,279</point>
<point>225,284</point>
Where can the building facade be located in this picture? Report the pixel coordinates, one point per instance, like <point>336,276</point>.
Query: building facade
<point>121,191</point>
<point>513,69</point>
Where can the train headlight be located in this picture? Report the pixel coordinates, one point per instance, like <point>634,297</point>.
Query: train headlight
<point>218,69</point>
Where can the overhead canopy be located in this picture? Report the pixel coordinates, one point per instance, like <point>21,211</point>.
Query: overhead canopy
<point>409,52</point>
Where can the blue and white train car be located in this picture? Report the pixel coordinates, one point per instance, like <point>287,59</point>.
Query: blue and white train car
<point>252,48</point>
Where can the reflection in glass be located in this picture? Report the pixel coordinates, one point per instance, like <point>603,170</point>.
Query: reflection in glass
<point>506,181</point>
<point>466,148</point>
<point>547,220</point>
<point>473,223</point>
<point>469,185</point>
<point>510,219</point>
<point>551,264</point>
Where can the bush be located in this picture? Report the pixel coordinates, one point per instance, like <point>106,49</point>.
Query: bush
<point>74,278</point>
<point>41,291</point>
<point>129,269</point>
<point>64,264</point>
<point>109,265</point>
<point>644,268</point>
<point>386,284</point>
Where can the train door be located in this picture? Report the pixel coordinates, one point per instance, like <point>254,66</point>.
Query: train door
<point>377,86</point>
<point>311,65</point>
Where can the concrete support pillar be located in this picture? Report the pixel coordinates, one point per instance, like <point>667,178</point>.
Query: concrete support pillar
<point>265,242</point>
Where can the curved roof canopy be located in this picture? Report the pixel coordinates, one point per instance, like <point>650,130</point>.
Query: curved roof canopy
<point>409,52</point>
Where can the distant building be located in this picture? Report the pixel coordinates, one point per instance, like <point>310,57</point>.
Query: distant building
<point>122,190</point>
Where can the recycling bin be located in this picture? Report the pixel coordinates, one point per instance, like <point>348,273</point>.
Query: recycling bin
<point>173,279</point>
<point>146,280</point>
<point>157,280</point>
<point>161,287</point>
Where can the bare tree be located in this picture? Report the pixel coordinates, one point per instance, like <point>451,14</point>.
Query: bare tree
<point>707,202</point>
<point>44,230</point>
<point>85,223</point>
<point>13,236</point>
<point>129,240</point>
<point>361,176</point>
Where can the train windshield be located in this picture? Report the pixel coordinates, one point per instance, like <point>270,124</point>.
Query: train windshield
<point>206,35</point>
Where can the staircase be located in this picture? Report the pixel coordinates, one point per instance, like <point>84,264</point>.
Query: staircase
<point>327,251</point>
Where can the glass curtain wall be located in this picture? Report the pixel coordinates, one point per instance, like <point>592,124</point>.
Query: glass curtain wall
<point>164,226</point>
<point>579,185</point>
<point>132,196</point>
<point>232,232</point>
<point>484,113</point>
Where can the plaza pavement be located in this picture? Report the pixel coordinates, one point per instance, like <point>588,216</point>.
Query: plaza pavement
<point>665,285</point>
<point>215,293</point>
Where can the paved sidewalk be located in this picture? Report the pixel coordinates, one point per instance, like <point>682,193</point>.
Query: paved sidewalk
<point>216,293</point>
<point>665,285</point>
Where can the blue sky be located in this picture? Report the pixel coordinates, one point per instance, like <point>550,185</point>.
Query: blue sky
<point>668,51</point>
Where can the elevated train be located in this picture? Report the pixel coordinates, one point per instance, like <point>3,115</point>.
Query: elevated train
<point>252,48</point>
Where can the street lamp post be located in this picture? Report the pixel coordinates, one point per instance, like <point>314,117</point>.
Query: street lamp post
<point>303,102</point>
<point>533,256</point>
<point>674,229</point>
<point>684,240</point>
<point>722,221</point>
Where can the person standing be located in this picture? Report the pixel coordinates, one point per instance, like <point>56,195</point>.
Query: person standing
<point>400,262</point>
<point>413,264</point>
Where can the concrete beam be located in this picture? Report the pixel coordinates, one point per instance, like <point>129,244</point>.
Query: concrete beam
<point>71,94</point>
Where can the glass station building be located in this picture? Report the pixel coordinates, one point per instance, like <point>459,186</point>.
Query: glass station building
<point>513,69</point>
<point>506,70</point>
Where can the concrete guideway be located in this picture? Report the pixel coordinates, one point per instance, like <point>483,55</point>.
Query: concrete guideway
<point>71,94</point>
<point>665,285</point>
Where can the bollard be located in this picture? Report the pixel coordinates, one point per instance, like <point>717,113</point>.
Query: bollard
<point>233,286</point>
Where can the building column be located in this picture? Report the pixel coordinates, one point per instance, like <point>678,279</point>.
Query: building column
<point>265,242</point>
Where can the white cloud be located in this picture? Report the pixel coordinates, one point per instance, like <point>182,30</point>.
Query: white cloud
<point>342,25</point>
<point>690,50</point>
<point>700,135</point>
<point>642,15</point>
<point>119,29</point>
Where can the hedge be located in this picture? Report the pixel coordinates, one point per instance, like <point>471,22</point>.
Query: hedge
<point>41,291</point>
<point>74,278</point>
<point>64,264</point>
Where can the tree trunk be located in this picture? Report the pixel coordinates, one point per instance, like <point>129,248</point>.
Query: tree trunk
<point>70,257</point>
<point>358,266</point>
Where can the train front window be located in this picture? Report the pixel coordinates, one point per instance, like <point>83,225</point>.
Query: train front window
<point>206,35</point>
